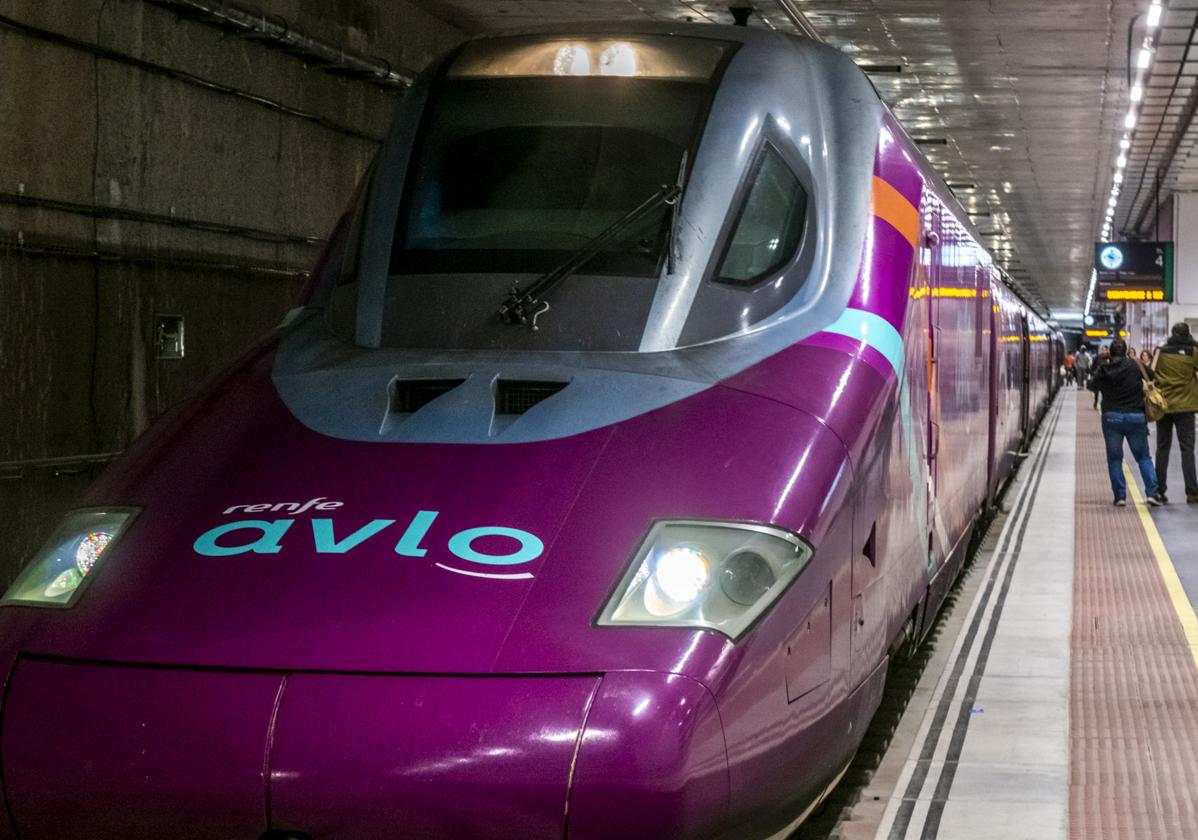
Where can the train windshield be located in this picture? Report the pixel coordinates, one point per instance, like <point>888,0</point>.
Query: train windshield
<point>530,148</point>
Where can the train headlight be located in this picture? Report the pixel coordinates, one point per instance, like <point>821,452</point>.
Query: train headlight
<point>718,575</point>
<point>57,573</point>
<point>677,578</point>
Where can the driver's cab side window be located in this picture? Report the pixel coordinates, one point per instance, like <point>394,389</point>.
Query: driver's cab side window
<point>770,224</point>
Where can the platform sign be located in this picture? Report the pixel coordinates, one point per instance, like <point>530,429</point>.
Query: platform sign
<point>1134,271</point>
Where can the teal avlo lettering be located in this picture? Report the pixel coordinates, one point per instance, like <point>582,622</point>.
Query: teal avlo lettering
<point>263,536</point>
<point>267,541</point>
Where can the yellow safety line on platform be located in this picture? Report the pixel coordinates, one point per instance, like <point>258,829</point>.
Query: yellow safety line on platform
<point>1177,594</point>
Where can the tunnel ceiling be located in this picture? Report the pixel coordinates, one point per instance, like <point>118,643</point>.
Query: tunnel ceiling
<point>1022,102</point>
<point>1161,157</point>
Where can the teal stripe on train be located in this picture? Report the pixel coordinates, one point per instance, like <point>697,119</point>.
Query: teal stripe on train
<point>873,330</point>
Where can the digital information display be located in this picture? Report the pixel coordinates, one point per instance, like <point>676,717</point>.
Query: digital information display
<point>1135,271</point>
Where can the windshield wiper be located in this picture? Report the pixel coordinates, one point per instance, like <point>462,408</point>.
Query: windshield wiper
<point>672,233</point>
<point>525,306</point>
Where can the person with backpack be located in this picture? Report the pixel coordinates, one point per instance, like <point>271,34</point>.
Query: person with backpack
<point>1176,367</point>
<point>1121,384</point>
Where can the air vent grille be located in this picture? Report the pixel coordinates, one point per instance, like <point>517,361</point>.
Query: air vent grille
<point>516,396</point>
<point>409,395</point>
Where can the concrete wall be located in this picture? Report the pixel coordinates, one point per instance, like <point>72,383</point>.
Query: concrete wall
<point>78,372</point>
<point>1147,325</point>
<point>1185,258</point>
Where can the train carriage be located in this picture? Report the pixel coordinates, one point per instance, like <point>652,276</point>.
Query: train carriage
<point>642,405</point>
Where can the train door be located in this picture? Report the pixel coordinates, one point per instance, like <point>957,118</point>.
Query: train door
<point>1025,396</point>
<point>990,318</point>
<point>870,616</point>
<point>936,551</point>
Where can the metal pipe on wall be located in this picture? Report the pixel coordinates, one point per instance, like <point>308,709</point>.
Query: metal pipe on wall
<point>17,243</point>
<point>62,465</point>
<point>792,11</point>
<point>275,30</point>
<point>178,75</point>
<point>97,211</point>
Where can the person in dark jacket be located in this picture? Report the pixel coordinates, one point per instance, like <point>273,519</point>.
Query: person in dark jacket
<point>1104,357</point>
<point>1176,367</point>
<point>1121,383</point>
<point>1081,367</point>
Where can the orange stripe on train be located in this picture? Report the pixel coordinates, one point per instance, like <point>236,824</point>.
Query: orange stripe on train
<point>893,208</point>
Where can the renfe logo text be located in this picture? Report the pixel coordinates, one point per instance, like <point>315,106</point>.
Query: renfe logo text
<point>266,536</point>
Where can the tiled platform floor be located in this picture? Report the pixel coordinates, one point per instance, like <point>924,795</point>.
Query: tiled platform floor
<point>1067,704</point>
<point>1134,705</point>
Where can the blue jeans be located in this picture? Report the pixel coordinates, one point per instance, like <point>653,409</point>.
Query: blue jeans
<point>1117,425</point>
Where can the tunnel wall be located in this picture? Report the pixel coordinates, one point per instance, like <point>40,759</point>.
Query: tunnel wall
<point>226,199</point>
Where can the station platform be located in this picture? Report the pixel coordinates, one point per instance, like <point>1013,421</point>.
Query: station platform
<point>1061,700</point>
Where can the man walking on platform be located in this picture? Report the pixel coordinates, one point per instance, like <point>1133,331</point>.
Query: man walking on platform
<point>1104,356</point>
<point>1081,367</point>
<point>1176,368</point>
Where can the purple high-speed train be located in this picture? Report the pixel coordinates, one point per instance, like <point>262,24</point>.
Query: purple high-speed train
<point>640,408</point>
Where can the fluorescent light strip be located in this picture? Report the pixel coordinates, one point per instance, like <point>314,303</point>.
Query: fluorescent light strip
<point>1136,95</point>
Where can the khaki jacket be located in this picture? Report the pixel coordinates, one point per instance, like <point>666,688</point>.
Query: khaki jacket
<point>1176,370</point>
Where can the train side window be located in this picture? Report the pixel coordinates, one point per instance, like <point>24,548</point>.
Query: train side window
<point>770,225</point>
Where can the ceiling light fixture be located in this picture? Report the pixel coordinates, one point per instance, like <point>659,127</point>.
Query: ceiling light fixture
<point>1154,15</point>
<point>1121,162</point>
<point>1144,58</point>
<point>1137,92</point>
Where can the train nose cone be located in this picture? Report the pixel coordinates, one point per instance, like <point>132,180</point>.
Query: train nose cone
<point>103,751</point>
<point>355,757</point>
<point>652,762</point>
<point>264,545</point>
<point>139,752</point>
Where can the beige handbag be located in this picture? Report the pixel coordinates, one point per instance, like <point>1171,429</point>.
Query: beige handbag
<point>1155,404</point>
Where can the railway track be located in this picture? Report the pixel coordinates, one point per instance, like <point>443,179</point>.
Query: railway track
<point>854,808</point>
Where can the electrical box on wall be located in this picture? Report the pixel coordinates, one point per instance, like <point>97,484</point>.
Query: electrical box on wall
<point>168,336</point>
